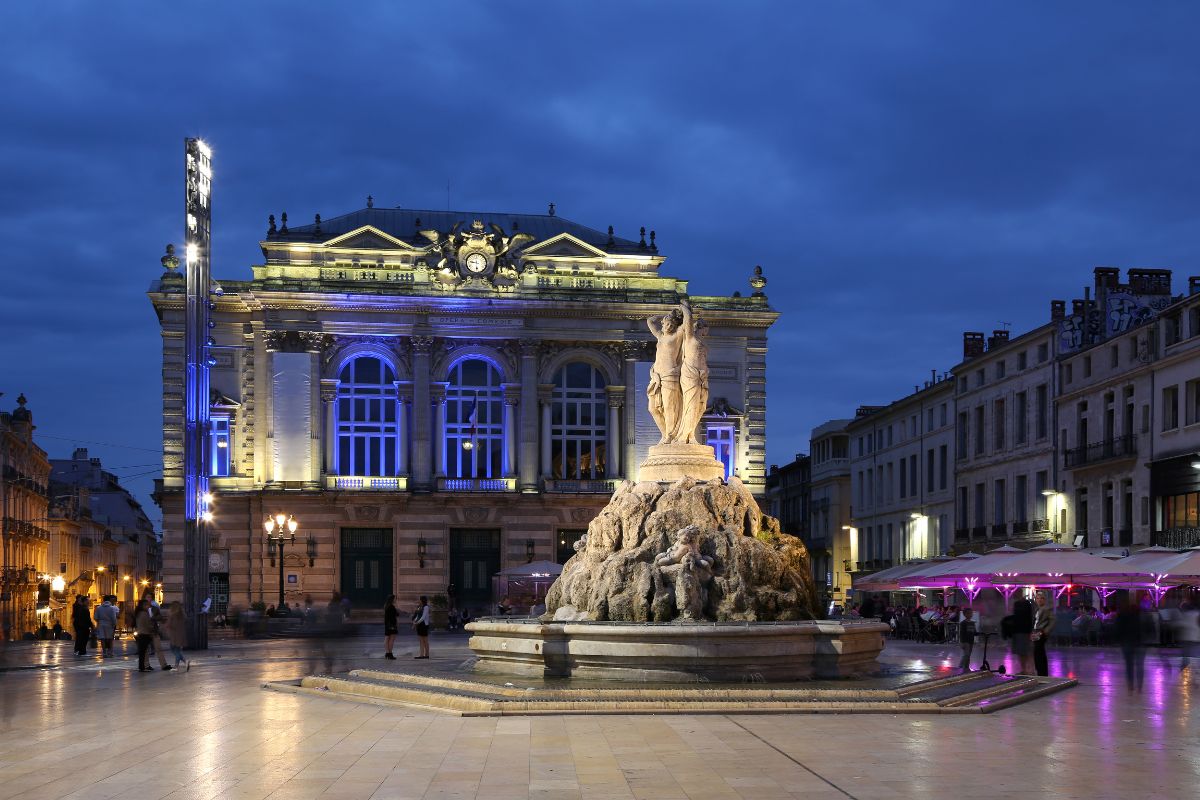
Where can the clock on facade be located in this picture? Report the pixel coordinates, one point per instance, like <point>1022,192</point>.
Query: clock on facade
<point>476,263</point>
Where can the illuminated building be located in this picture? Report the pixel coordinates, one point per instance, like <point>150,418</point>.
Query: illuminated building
<point>434,395</point>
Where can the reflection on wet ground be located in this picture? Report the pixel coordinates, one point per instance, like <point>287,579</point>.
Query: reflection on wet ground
<point>85,728</point>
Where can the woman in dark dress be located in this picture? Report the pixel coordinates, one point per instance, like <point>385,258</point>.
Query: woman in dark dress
<point>391,625</point>
<point>421,619</point>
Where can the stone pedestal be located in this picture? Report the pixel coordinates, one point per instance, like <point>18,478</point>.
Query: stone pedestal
<point>667,463</point>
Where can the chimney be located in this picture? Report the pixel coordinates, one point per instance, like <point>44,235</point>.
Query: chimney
<point>996,339</point>
<point>80,454</point>
<point>972,344</point>
<point>1106,278</point>
<point>1078,307</point>
<point>1194,284</point>
<point>1150,281</point>
<point>1058,310</point>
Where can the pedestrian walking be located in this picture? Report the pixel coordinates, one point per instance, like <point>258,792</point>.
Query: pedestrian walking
<point>967,628</point>
<point>143,633</point>
<point>156,614</point>
<point>176,628</point>
<point>1187,633</point>
<point>391,626</point>
<point>1043,624</point>
<point>81,621</point>
<point>1022,629</point>
<point>1129,630</point>
<point>106,625</point>
<point>421,623</point>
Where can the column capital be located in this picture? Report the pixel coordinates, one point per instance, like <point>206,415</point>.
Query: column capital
<point>421,345</point>
<point>616,396</point>
<point>329,388</point>
<point>437,391</point>
<point>530,347</point>
<point>632,349</point>
<point>545,392</point>
<point>404,391</point>
<point>512,393</point>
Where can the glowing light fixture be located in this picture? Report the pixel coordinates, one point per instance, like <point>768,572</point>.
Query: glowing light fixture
<point>58,584</point>
<point>208,497</point>
<point>208,516</point>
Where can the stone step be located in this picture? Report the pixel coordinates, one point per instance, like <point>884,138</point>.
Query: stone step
<point>970,693</point>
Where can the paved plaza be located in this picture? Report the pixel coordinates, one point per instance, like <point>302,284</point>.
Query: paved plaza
<point>89,730</point>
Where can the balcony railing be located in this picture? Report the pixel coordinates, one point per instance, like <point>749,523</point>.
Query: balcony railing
<point>1177,538</point>
<point>1039,526</point>
<point>20,528</point>
<point>1021,526</point>
<point>477,484</point>
<point>1116,447</point>
<point>581,486</point>
<point>1000,530</point>
<point>962,534</point>
<point>979,532</point>
<point>366,483</point>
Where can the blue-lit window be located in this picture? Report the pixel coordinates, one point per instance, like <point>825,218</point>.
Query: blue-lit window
<point>578,423</point>
<point>221,447</point>
<point>474,421</point>
<point>720,437</point>
<point>366,424</point>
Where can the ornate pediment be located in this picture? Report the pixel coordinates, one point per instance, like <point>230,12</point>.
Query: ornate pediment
<point>564,246</point>
<point>368,237</point>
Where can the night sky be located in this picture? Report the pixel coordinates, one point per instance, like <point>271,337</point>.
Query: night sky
<point>902,171</point>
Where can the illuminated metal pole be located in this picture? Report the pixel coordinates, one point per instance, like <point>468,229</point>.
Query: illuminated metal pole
<point>197,322</point>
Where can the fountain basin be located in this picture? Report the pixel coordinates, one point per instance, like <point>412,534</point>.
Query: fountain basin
<point>731,652</point>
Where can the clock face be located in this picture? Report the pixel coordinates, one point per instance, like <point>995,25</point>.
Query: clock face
<point>476,263</point>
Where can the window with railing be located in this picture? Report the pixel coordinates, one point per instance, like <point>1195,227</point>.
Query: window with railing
<point>220,446</point>
<point>579,422</point>
<point>366,418</point>
<point>474,438</point>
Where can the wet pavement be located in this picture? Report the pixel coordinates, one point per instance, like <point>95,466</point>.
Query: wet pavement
<point>85,728</point>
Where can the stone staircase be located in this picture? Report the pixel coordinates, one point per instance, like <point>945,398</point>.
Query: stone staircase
<point>970,693</point>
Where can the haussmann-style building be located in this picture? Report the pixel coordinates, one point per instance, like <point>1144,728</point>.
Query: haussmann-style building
<point>434,396</point>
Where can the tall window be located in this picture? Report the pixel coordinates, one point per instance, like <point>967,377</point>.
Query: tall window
<point>474,421</point>
<point>720,438</point>
<point>579,422</point>
<point>220,447</point>
<point>366,426</point>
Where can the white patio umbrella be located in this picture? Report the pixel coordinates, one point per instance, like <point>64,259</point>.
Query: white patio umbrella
<point>1185,570</point>
<point>886,580</point>
<point>1059,566</point>
<point>927,576</point>
<point>968,572</point>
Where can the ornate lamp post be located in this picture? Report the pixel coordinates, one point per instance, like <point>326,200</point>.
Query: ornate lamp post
<point>286,527</point>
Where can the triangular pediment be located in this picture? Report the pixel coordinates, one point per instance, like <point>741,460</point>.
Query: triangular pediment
<point>368,237</point>
<point>564,245</point>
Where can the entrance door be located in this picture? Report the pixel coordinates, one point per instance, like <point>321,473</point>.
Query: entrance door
<point>474,559</point>
<point>366,566</point>
<point>218,590</point>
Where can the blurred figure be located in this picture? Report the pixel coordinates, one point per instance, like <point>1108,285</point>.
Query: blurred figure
<point>176,629</point>
<point>1187,631</point>
<point>391,626</point>
<point>106,625</point>
<point>1129,627</point>
<point>1022,630</point>
<point>143,627</point>
<point>421,619</point>
<point>868,607</point>
<point>966,637</point>
<point>81,621</point>
<point>1043,624</point>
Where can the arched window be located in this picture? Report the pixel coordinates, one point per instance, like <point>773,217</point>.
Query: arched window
<point>366,424</point>
<point>578,423</point>
<point>474,421</point>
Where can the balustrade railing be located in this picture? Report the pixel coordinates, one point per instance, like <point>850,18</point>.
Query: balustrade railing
<point>559,485</point>
<point>1115,447</point>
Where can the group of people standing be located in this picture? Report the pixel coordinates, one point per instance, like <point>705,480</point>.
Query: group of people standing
<point>150,624</point>
<point>421,620</point>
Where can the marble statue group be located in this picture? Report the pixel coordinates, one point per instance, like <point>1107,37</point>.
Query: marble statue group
<point>678,389</point>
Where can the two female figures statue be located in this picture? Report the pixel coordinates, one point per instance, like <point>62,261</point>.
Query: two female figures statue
<point>678,390</point>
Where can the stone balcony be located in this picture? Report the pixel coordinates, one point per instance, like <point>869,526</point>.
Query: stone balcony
<point>366,483</point>
<point>476,484</point>
<point>559,486</point>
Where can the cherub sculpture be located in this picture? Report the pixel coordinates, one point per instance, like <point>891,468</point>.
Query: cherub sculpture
<point>686,551</point>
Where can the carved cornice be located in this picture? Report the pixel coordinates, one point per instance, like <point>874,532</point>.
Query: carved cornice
<point>632,350</point>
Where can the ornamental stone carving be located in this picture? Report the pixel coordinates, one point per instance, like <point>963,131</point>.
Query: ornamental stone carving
<point>297,341</point>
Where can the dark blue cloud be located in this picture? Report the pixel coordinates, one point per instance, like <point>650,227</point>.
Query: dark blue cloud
<point>902,173</point>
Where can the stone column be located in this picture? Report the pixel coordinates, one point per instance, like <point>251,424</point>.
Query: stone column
<point>612,461</point>
<point>545,395</point>
<point>512,396</point>
<point>632,351</point>
<point>422,346</point>
<point>403,429</point>
<point>438,393</point>
<point>329,388</point>
<point>527,460</point>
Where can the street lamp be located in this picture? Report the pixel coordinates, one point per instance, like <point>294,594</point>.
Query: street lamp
<point>286,525</point>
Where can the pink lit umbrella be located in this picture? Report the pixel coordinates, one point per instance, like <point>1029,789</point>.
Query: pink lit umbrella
<point>1059,566</point>
<point>886,580</point>
<point>930,576</point>
<point>971,574</point>
<point>1185,570</point>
